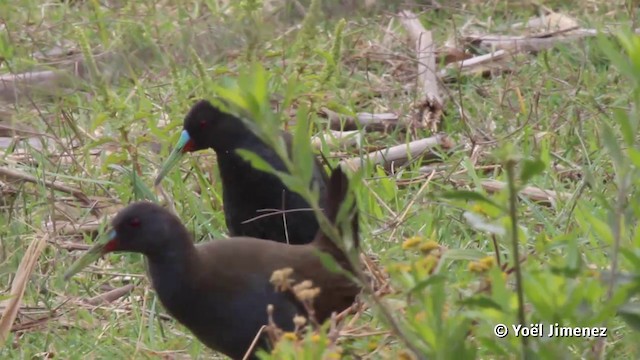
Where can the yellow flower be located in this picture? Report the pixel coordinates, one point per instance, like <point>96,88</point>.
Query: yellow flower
<point>487,262</point>
<point>399,267</point>
<point>592,273</point>
<point>427,263</point>
<point>477,208</point>
<point>372,345</point>
<point>429,246</point>
<point>411,242</point>
<point>475,266</point>
<point>291,336</point>
<point>403,355</point>
<point>335,354</point>
<point>482,265</point>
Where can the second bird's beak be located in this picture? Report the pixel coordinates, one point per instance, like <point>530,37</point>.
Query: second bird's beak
<point>104,245</point>
<point>185,144</point>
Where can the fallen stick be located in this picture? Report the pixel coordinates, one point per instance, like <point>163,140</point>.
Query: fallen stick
<point>18,175</point>
<point>431,105</point>
<point>13,86</point>
<point>534,43</point>
<point>524,43</point>
<point>11,306</point>
<point>390,157</point>
<point>336,138</point>
<point>543,196</point>
<point>469,65</point>
<point>425,50</point>
<point>67,228</point>
<point>110,296</point>
<point>368,122</point>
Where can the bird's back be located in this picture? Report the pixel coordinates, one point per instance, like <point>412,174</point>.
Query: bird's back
<point>254,200</point>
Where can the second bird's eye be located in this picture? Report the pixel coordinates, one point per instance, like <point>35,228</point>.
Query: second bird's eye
<point>135,222</point>
<point>203,124</point>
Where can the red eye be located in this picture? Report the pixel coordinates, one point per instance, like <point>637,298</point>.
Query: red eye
<point>135,222</point>
<point>203,124</point>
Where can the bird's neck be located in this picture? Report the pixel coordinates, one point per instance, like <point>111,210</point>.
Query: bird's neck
<point>173,270</point>
<point>235,137</point>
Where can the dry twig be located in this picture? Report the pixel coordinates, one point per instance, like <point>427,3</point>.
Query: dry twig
<point>399,154</point>
<point>430,110</point>
<point>369,122</point>
<point>111,296</point>
<point>18,175</point>
<point>548,197</point>
<point>19,284</point>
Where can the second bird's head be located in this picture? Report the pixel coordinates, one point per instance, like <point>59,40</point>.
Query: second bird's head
<point>205,126</point>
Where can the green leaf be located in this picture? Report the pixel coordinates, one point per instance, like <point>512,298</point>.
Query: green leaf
<point>256,161</point>
<point>600,227</point>
<point>634,156</point>
<point>294,183</point>
<point>630,313</point>
<point>613,146</point>
<point>431,280</point>
<point>329,262</point>
<point>537,290</point>
<point>140,190</point>
<point>531,168</point>
<point>469,196</point>
<point>260,84</point>
<point>482,302</point>
<point>389,187</point>
<point>99,119</point>
<point>614,54</point>
<point>463,254</point>
<point>232,96</point>
<point>301,148</point>
<point>631,256</point>
<point>626,129</point>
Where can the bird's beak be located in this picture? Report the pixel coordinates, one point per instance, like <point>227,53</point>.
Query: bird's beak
<point>104,245</point>
<point>185,144</point>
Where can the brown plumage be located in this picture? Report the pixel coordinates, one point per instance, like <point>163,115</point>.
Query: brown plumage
<point>220,290</point>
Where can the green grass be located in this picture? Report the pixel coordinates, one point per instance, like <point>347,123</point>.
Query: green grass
<point>143,64</point>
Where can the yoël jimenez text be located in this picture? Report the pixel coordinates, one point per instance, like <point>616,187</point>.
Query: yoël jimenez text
<point>555,330</point>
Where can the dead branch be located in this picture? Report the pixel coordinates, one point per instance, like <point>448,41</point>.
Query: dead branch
<point>67,228</point>
<point>431,108</point>
<point>399,154</point>
<point>110,296</point>
<point>14,86</point>
<point>384,122</point>
<point>532,43</point>
<point>27,264</point>
<point>523,43</point>
<point>337,138</point>
<point>547,197</point>
<point>20,176</point>
<point>477,64</point>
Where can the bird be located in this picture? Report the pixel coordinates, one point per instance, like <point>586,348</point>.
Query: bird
<point>247,192</point>
<point>220,290</point>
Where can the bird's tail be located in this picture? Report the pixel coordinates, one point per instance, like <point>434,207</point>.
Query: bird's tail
<point>342,212</point>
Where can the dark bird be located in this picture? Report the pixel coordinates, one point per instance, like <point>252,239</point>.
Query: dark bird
<point>221,289</point>
<point>247,192</point>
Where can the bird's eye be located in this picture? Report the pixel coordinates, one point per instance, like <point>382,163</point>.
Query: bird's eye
<point>203,124</point>
<point>135,222</point>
